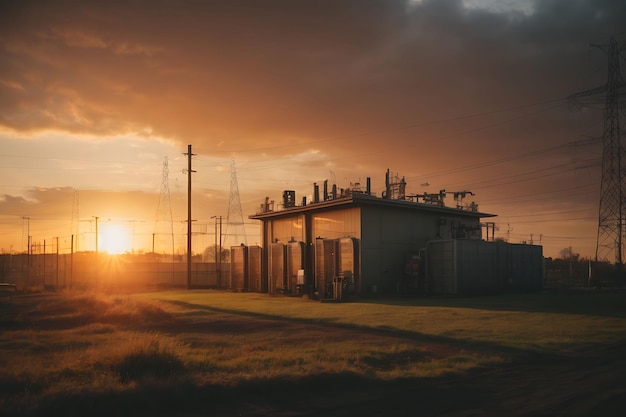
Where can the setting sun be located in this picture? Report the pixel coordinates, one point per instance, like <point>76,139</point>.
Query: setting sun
<point>115,239</point>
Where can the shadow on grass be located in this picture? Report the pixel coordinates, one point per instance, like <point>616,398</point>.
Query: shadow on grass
<point>340,394</point>
<point>508,390</point>
<point>592,302</point>
<point>267,321</point>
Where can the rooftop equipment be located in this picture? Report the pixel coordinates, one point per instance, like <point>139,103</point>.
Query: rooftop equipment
<point>289,198</point>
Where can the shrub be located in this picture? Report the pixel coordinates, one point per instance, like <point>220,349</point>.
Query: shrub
<point>149,358</point>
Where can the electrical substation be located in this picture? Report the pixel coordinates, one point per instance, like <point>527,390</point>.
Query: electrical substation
<point>350,242</point>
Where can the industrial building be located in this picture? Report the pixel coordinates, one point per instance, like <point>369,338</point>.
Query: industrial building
<point>349,241</point>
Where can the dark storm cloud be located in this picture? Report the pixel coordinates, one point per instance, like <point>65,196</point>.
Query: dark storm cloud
<point>251,70</point>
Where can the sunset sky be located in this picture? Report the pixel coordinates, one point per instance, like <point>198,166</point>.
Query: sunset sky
<point>459,95</point>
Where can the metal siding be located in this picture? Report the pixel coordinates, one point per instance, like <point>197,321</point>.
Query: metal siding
<point>389,236</point>
<point>337,224</point>
<point>503,266</point>
<point>475,266</point>
<point>476,260</point>
<point>288,229</point>
<point>440,266</point>
<point>487,269</point>
<point>370,262</point>
<point>527,267</point>
<point>370,265</point>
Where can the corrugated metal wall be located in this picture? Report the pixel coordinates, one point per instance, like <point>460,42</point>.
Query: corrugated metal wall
<point>441,274</point>
<point>288,229</point>
<point>337,224</point>
<point>390,235</point>
<point>476,266</point>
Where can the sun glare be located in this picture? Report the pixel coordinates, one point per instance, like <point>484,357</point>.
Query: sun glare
<point>114,239</point>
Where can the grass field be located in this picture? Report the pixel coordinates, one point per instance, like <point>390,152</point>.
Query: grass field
<point>219,353</point>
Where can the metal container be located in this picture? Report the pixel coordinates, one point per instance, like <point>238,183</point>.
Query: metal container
<point>325,267</point>
<point>295,267</point>
<point>255,282</point>
<point>469,266</point>
<point>527,268</point>
<point>277,277</point>
<point>239,268</point>
<point>348,264</point>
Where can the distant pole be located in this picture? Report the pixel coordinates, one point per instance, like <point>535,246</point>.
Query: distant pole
<point>189,172</point>
<point>219,271</point>
<point>215,254</point>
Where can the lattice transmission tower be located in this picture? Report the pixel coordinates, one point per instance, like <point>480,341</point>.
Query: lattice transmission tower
<point>163,237</point>
<point>612,209</point>
<point>235,231</point>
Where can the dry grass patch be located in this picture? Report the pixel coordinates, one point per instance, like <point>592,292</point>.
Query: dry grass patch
<point>57,348</point>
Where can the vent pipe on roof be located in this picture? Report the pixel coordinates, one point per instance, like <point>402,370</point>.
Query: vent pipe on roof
<point>368,186</point>
<point>386,195</point>
<point>303,201</point>
<point>325,190</point>
<point>316,193</point>
<point>334,192</point>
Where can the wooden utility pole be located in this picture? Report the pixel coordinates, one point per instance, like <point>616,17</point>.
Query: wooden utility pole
<point>189,172</point>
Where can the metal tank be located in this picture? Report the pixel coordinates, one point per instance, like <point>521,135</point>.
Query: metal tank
<point>277,277</point>
<point>295,267</point>
<point>239,268</point>
<point>255,282</point>
<point>325,267</point>
<point>348,264</point>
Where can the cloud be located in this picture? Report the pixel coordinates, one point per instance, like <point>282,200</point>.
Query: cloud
<point>283,69</point>
<point>371,84</point>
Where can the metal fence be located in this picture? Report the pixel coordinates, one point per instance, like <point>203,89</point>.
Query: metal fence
<point>128,271</point>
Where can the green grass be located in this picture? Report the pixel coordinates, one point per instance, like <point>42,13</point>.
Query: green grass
<point>538,321</point>
<point>57,350</point>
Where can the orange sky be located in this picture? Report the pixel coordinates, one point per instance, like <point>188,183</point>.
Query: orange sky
<point>462,95</point>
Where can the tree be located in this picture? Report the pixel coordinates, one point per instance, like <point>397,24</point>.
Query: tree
<point>568,255</point>
<point>208,255</point>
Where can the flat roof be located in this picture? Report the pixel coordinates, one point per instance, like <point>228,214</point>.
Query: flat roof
<point>361,199</point>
